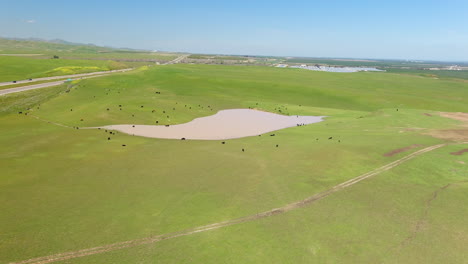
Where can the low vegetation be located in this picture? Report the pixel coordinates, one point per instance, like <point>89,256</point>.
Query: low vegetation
<point>88,188</point>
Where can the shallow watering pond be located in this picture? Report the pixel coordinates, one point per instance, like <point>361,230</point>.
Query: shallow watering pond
<point>226,124</point>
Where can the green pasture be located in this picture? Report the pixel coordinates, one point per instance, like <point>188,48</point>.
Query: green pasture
<point>391,218</point>
<point>65,189</point>
<point>21,68</point>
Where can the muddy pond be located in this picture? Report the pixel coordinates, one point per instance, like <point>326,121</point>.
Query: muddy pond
<point>226,124</point>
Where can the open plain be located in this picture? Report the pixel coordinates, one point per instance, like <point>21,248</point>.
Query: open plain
<point>374,182</point>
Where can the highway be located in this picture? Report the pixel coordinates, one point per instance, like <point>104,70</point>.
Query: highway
<point>73,77</point>
<point>55,83</point>
<point>63,77</point>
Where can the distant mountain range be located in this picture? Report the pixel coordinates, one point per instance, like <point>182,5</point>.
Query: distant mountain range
<point>64,42</point>
<point>57,41</point>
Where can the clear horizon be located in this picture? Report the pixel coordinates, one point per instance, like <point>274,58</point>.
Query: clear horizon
<point>420,30</point>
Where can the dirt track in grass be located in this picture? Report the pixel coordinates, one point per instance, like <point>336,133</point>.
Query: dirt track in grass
<point>276,211</point>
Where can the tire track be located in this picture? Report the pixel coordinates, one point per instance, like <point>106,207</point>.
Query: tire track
<point>419,224</point>
<point>284,209</point>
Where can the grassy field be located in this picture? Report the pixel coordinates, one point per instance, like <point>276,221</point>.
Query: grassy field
<point>438,74</point>
<point>64,189</point>
<point>21,68</point>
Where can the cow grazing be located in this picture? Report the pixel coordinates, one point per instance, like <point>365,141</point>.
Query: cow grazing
<point>277,145</point>
<point>123,145</point>
<point>182,138</point>
<point>243,150</point>
<point>108,138</point>
<point>330,138</point>
<point>223,142</point>
<point>272,135</point>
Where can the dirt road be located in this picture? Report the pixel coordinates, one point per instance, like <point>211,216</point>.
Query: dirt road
<point>280,210</point>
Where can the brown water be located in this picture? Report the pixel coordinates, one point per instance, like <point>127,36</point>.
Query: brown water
<point>226,124</point>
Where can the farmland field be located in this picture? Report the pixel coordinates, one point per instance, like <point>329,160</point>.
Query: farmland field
<point>21,68</point>
<point>64,189</point>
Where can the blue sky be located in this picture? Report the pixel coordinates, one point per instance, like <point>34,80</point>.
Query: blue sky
<point>432,30</point>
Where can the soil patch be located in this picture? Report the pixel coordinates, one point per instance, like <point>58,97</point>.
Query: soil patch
<point>396,151</point>
<point>457,116</point>
<point>460,152</point>
<point>450,134</point>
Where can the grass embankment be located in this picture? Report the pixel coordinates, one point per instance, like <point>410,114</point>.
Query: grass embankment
<point>22,68</point>
<point>68,189</point>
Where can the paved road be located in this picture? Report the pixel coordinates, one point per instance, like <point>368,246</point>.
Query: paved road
<point>82,76</point>
<point>49,84</point>
<point>62,77</point>
<point>177,60</point>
